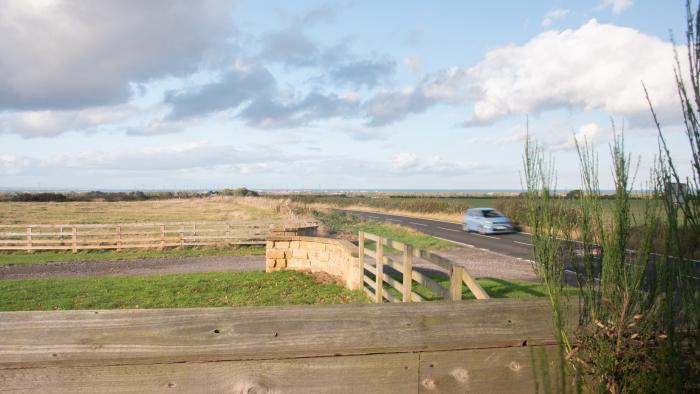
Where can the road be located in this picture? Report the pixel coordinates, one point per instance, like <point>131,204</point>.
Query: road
<point>516,244</point>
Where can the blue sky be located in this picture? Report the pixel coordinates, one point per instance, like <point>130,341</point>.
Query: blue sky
<point>322,94</point>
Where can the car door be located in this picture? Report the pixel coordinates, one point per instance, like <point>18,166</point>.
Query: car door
<point>473,220</point>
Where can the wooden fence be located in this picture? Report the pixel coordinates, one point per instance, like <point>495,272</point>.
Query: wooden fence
<point>485,346</point>
<point>404,286</point>
<point>75,237</point>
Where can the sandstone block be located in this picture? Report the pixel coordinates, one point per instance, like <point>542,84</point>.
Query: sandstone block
<point>274,254</point>
<point>300,254</point>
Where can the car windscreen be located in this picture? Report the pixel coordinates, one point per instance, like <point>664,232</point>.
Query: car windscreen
<point>492,213</point>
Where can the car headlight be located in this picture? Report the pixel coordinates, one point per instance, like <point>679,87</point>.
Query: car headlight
<point>488,222</point>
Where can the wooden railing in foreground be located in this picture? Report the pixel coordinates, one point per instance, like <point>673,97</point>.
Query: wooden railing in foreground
<point>495,346</point>
<point>376,290</point>
<point>75,237</point>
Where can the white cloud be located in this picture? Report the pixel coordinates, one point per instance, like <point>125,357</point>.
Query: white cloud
<point>76,54</point>
<point>409,163</point>
<point>12,164</point>
<point>30,124</point>
<point>589,133</point>
<point>617,6</point>
<point>150,159</point>
<point>551,16</point>
<point>595,67</point>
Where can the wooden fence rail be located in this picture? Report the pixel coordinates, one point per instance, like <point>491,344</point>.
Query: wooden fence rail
<point>75,237</point>
<point>489,346</point>
<point>375,287</point>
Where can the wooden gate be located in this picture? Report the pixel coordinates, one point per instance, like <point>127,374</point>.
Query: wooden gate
<point>403,282</point>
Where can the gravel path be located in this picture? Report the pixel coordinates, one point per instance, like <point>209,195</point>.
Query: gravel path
<point>481,264</point>
<point>158,266</point>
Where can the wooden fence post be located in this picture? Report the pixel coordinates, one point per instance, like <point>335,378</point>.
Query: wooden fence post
<point>182,236</point>
<point>162,236</point>
<point>29,239</point>
<point>407,273</point>
<point>60,234</point>
<point>380,271</point>
<point>456,282</point>
<point>361,250</point>
<point>75,240</point>
<point>228,234</point>
<point>118,233</point>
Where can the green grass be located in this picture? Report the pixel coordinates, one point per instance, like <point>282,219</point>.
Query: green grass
<point>173,291</point>
<point>337,221</point>
<point>19,258</point>
<point>494,287</point>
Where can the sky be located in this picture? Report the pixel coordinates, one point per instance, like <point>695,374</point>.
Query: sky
<point>353,94</point>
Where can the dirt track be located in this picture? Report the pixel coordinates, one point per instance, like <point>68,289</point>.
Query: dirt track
<point>479,263</point>
<point>160,266</point>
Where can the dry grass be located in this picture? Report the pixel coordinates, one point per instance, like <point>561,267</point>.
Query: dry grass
<point>218,208</point>
<point>447,217</point>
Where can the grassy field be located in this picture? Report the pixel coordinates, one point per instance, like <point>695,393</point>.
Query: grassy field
<point>93,255</point>
<point>340,222</point>
<point>173,291</point>
<point>218,208</point>
<point>449,208</point>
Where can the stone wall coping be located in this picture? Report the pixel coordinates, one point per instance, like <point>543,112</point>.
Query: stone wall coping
<point>347,245</point>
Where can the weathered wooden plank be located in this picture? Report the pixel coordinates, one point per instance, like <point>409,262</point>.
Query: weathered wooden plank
<point>180,335</point>
<point>379,267</point>
<point>456,282</point>
<point>433,258</point>
<point>505,370</point>
<point>394,283</point>
<point>474,286</point>
<point>386,241</point>
<point>407,284</point>
<point>381,373</point>
<point>82,246</point>
<point>390,297</point>
<point>144,224</point>
<point>431,284</point>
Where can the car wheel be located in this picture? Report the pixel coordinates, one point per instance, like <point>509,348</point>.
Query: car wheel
<point>481,230</point>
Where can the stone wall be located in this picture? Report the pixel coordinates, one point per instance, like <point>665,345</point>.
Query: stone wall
<point>303,253</point>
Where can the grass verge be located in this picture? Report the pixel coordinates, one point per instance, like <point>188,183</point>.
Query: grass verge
<point>20,258</point>
<point>173,291</point>
<point>343,222</point>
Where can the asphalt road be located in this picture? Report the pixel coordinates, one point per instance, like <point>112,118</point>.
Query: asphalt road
<point>516,244</point>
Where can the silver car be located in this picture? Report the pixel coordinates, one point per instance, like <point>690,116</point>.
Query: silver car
<point>486,221</point>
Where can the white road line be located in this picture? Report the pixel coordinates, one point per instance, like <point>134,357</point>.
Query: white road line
<point>374,217</point>
<point>485,250</point>
<point>418,224</point>
<point>448,229</point>
<point>486,236</point>
<point>522,243</point>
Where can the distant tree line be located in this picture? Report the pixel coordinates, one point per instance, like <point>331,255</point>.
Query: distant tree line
<point>120,196</point>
